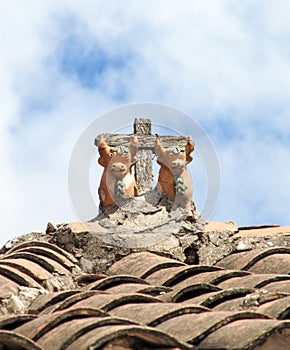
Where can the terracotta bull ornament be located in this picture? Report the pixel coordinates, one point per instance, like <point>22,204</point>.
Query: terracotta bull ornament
<point>118,181</point>
<point>174,181</point>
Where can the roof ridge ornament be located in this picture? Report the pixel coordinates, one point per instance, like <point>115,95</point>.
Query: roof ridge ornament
<point>128,168</point>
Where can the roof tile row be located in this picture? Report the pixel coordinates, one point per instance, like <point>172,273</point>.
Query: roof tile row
<point>147,301</point>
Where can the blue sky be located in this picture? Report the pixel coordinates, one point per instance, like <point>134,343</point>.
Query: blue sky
<point>64,63</point>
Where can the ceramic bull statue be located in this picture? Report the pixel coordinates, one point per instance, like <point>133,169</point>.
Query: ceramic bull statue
<point>118,181</point>
<point>174,181</point>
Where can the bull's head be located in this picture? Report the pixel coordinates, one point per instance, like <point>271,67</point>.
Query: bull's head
<point>118,160</point>
<point>175,158</point>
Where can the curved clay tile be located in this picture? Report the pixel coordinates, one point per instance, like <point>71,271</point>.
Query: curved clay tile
<point>190,292</point>
<point>112,281</point>
<point>9,322</point>
<point>151,314</point>
<point>142,337</point>
<point>215,299</point>
<point>221,276</point>
<point>278,263</point>
<point>45,301</point>
<point>212,277</point>
<point>71,301</point>
<point>49,264</point>
<point>8,287</point>
<point>139,288</point>
<point>142,264</point>
<point>47,245</point>
<point>63,335</point>
<point>171,276</point>
<point>222,296</point>
<point>249,334</point>
<point>52,254</point>
<point>33,270</point>
<point>41,325</point>
<point>12,340</point>
<point>86,279</point>
<point>278,286</point>
<point>279,308</point>
<point>107,302</point>
<point>245,260</point>
<point>19,277</point>
<point>272,278</point>
<point>253,281</point>
<point>249,301</point>
<point>193,328</point>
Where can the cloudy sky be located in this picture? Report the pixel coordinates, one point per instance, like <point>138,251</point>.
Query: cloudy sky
<point>65,63</point>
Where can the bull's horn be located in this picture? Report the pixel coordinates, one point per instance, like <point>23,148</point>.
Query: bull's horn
<point>105,151</point>
<point>189,148</point>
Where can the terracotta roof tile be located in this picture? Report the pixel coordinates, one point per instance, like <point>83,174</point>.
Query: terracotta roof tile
<point>142,264</point>
<point>8,287</point>
<point>192,293</point>
<point>279,308</point>
<point>37,265</point>
<point>63,335</point>
<point>150,338</point>
<point>44,301</point>
<point>112,281</point>
<point>149,314</point>
<point>213,299</point>
<point>216,277</point>
<point>19,277</point>
<point>149,301</point>
<point>193,328</point>
<point>107,302</point>
<point>9,322</point>
<point>220,227</point>
<point>52,254</point>
<point>38,244</point>
<point>250,301</point>
<point>253,281</point>
<point>31,269</point>
<point>12,340</point>
<point>278,263</point>
<point>72,300</point>
<point>279,286</point>
<point>263,231</point>
<point>246,336</point>
<point>247,260</point>
<point>43,326</point>
<point>43,261</point>
<point>170,276</point>
<point>139,288</point>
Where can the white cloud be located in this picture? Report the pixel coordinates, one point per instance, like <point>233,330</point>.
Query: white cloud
<point>226,63</point>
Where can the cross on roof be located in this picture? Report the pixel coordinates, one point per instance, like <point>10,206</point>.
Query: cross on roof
<point>143,168</point>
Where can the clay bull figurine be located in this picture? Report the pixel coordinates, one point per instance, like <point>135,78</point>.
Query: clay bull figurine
<point>118,181</point>
<point>174,180</point>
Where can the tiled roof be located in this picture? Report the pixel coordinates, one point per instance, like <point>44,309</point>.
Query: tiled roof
<point>144,301</point>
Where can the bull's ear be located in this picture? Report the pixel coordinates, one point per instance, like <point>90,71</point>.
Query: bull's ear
<point>189,148</point>
<point>105,152</point>
<point>159,150</point>
<point>134,147</point>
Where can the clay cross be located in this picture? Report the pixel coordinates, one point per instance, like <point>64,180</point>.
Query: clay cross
<point>143,168</point>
